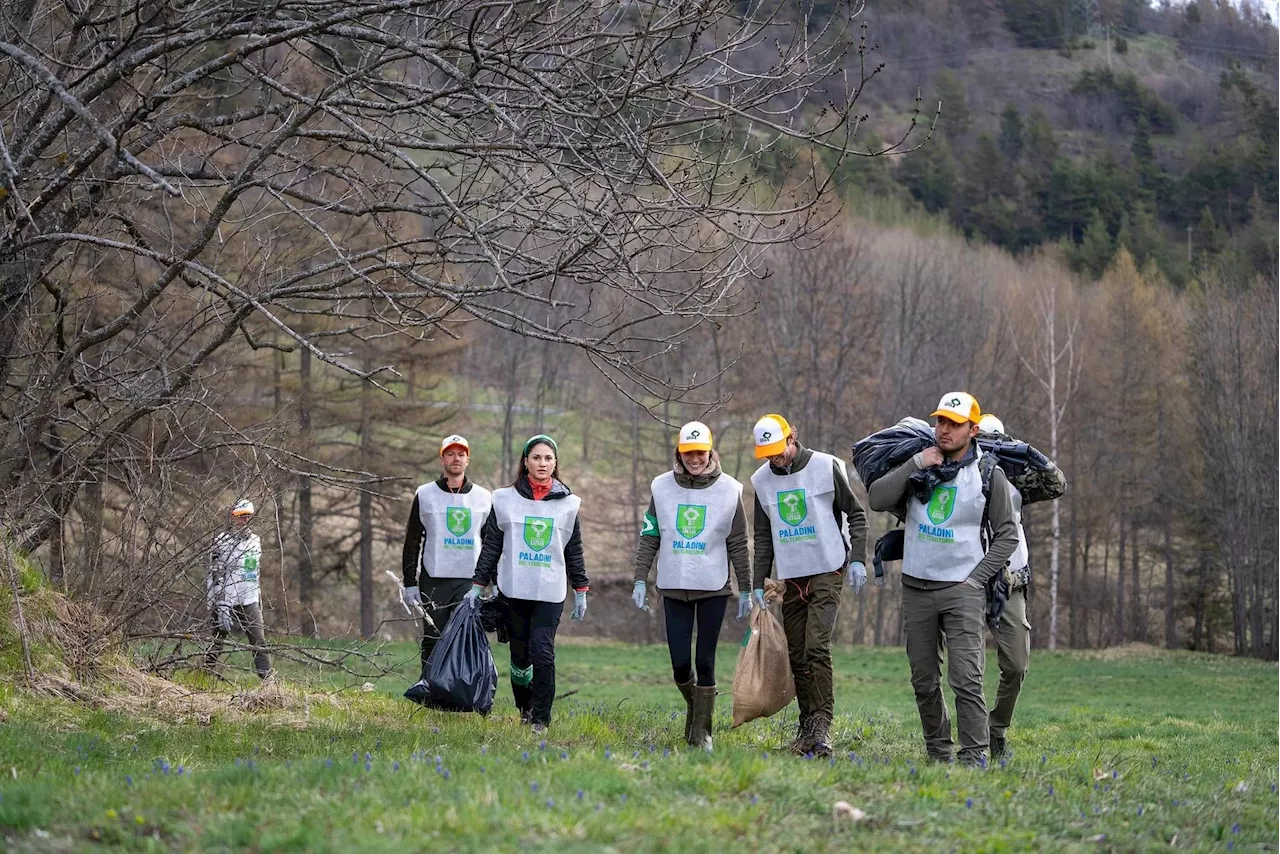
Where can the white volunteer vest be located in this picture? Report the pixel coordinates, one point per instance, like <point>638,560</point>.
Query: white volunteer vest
<point>694,525</point>
<point>239,559</point>
<point>807,539</point>
<point>1021,555</point>
<point>534,534</point>
<point>943,540</point>
<point>452,522</point>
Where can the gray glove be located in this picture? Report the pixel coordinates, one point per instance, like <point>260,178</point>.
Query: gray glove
<point>473,594</point>
<point>856,576</point>
<point>579,605</point>
<point>744,605</point>
<point>410,596</point>
<point>637,596</point>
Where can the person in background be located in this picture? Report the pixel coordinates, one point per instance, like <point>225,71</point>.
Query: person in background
<point>233,588</point>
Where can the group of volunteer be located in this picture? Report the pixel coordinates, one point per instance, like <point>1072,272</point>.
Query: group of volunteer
<point>962,548</point>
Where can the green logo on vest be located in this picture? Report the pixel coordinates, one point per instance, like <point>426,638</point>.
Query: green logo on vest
<point>250,563</point>
<point>458,519</point>
<point>537,532</point>
<point>792,507</point>
<point>691,519</point>
<point>942,504</point>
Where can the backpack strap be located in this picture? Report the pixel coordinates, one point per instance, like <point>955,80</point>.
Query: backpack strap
<point>986,467</point>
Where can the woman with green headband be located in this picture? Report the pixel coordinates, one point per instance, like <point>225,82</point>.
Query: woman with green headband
<point>531,546</point>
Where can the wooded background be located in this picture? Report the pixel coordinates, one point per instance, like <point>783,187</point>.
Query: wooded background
<point>277,251</point>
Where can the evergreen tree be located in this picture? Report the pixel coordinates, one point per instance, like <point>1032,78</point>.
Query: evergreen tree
<point>1011,132</point>
<point>1095,251</point>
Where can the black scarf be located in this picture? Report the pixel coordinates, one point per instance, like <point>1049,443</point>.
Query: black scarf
<point>922,483</point>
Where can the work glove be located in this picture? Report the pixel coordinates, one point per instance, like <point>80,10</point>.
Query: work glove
<point>223,615</point>
<point>410,596</point>
<point>758,596</point>
<point>744,605</point>
<point>579,605</point>
<point>473,594</point>
<point>856,576</point>
<point>637,596</point>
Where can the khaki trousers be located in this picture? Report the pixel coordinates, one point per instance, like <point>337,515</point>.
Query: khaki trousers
<point>1013,653</point>
<point>958,615</point>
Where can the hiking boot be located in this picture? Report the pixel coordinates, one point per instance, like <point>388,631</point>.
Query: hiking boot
<point>704,707</point>
<point>803,742</point>
<point>999,747</point>
<point>973,759</point>
<point>539,729</point>
<point>523,696</point>
<point>820,738</point>
<point>686,690</point>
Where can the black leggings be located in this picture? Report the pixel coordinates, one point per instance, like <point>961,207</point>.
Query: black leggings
<point>707,614</point>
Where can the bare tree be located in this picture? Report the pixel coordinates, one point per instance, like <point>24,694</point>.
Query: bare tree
<point>179,179</point>
<point>1053,354</point>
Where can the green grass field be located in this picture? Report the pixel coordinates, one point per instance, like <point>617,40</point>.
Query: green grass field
<point>1123,751</point>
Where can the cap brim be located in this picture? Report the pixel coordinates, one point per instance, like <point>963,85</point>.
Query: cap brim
<point>770,450</point>
<point>949,415</point>
<point>454,445</point>
<point>239,513</point>
<point>694,446</point>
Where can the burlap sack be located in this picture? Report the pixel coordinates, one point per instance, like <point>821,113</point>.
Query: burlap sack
<point>762,683</point>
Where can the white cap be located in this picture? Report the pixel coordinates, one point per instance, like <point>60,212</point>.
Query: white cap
<point>990,424</point>
<point>455,439</point>
<point>244,507</point>
<point>694,436</point>
<point>958,406</point>
<point>771,434</point>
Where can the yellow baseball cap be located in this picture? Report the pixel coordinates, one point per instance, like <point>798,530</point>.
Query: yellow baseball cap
<point>990,424</point>
<point>450,441</point>
<point>694,436</point>
<point>958,406</point>
<point>771,434</point>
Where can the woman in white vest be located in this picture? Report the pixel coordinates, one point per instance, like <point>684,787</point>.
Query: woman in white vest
<point>233,588</point>
<point>531,546</point>
<point>442,541</point>
<point>694,528</point>
<point>803,501</point>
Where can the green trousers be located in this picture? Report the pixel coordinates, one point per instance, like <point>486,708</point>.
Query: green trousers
<point>809,609</point>
<point>1013,653</point>
<point>957,614</point>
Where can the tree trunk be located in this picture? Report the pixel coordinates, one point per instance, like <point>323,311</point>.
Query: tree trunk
<point>1138,613</point>
<point>366,508</point>
<point>306,518</point>
<point>1118,636</point>
<point>1170,615</point>
<point>93,522</point>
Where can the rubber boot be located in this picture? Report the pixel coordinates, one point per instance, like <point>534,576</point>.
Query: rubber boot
<point>704,707</point>
<point>686,690</point>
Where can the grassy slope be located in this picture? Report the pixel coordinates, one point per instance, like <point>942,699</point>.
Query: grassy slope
<point>1173,736</point>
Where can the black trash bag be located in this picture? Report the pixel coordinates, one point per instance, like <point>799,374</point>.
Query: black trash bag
<point>495,616</point>
<point>1034,475</point>
<point>883,451</point>
<point>888,547</point>
<point>460,675</point>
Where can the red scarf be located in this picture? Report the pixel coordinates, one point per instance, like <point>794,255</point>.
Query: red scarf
<point>540,491</point>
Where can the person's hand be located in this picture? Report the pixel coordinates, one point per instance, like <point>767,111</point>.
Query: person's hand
<point>579,606</point>
<point>744,605</point>
<point>758,596</point>
<point>930,457</point>
<point>223,615</point>
<point>856,576</point>
<point>473,594</point>
<point>637,596</point>
<point>410,596</point>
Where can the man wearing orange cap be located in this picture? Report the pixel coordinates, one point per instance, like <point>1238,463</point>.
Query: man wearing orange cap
<point>443,541</point>
<point>803,499</point>
<point>954,543</point>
